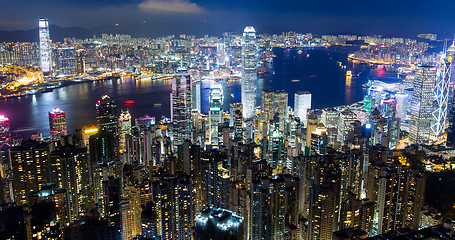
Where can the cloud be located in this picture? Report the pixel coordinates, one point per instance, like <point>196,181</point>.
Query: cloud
<point>176,6</point>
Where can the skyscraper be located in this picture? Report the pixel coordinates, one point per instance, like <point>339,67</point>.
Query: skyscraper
<point>220,55</point>
<point>237,120</point>
<point>80,61</point>
<point>274,102</point>
<point>5,132</point>
<point>181,106</point>
<point>442,95</point>
<point>30,168</point>
<point>45,47</point>
<point>66,61</point>
<point>124,125</point>
<point>249,72</point>
<point>69,169</point>
<point>302,103</point>
<point>422,104</point>
<point>196,96</point>
<point>106,114</point>
<point>57,123</point>
<point>215,113</point>
<point>402,105</point>
<point>173,207</point>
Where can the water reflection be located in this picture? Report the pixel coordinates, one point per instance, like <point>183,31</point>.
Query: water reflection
<point>319,73</point>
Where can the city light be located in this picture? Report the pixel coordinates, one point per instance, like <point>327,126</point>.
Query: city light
<point>244,135</point>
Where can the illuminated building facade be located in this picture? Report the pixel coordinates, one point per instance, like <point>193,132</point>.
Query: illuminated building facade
<point>221,54</point>
<point>302,103</point>
<point>173,208</point>
<point>392,125</point>
<point>124,126</point>
<point>196,96</point>
<point>80,61</point>
<point>66,61</point>
<point>5,132</point>
<point>30,164</point>
<point>273,207</point>
<point>131,212</point>
<point>249,71</point>
<point>112,202</point>
<point>237,120</point>
<point>181,106</point>
<point>57,123</point>
<point>345,121</point>
<point>402,105</point>
<point>215,113</point>
<point>422,104</point>
<point>274,103</point>
<point>216,179</point>
<point>330,117</point>
<point>322,183</point>
<point>106,117</point>
<point>398,192</point>
<point>70,169</point>
<point>45,47</point>
<point>442,95</point>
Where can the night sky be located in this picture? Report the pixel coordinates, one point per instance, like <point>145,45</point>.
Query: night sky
<point>393,17</point>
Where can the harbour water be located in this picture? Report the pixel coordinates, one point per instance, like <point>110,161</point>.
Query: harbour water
<point>319,71</point>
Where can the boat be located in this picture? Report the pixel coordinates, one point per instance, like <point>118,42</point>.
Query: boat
<point>349,73</point>
<point>295,80</point>
<point>312,76</point>
<point>300,52</point>
<point>129,102</point>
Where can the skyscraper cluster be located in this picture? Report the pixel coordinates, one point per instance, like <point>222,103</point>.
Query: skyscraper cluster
<point>258,170</point>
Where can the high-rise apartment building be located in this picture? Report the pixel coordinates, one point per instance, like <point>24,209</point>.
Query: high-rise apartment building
<point>70,169</point>
<point>30,164</point>
<point>249,72</point>
<point>173,207</point>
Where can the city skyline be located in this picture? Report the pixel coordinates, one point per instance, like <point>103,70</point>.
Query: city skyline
<point>158,17</point>
<point>243,136</point>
